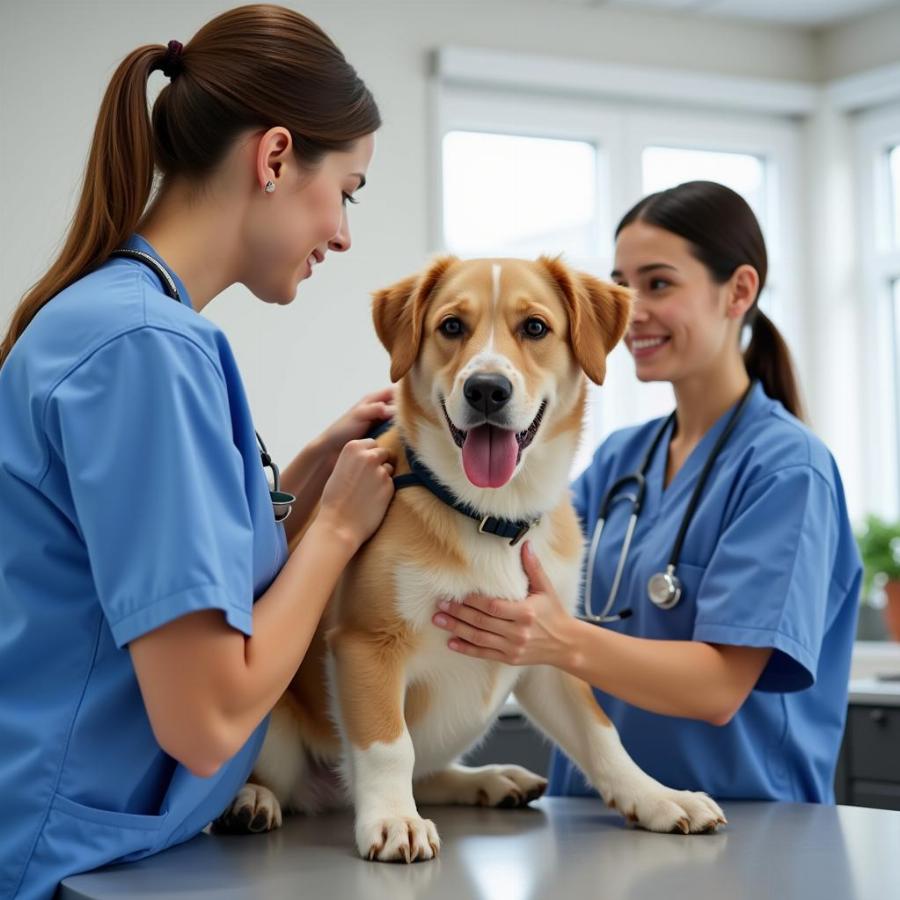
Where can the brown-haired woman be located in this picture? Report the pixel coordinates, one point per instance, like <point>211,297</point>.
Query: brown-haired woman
<point>136,670</point>
<point>730,611</point>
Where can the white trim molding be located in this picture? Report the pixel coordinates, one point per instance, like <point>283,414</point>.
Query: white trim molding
<point>865,89</point>
<point>549,74</point>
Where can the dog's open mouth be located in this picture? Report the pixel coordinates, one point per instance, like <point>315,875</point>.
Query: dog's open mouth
<point>490,454</point>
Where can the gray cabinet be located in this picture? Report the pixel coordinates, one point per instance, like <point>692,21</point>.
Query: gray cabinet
<point>869,770</point>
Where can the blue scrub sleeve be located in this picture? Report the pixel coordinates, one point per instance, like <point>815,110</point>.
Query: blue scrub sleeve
<point>157,483</point>
<point>767,582</point>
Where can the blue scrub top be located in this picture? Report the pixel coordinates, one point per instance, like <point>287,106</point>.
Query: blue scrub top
<point>131,493</point>
<point>769,560</point>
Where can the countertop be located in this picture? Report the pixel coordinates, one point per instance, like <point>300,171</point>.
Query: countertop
<point>875,673</point>
<point>559,848</point>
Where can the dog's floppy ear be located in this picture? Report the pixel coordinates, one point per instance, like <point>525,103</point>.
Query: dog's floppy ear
<point>598,314</point>
<point>398,312</point>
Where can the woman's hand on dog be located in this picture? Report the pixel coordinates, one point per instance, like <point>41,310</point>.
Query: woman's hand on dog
<point>357,494</point>
<point>357,421</point>
<point>530,632</point>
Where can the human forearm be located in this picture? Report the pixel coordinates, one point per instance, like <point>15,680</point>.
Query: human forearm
<point>285,619</point>
<point>305,478</point>
<point>691,679</point>
<point>307,473</point>
<point>205,684</point>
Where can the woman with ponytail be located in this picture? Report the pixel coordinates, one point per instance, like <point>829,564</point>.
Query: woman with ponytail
<point>150,616</point>
<point>737,685</point>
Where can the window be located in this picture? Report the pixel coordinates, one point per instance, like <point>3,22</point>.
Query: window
<point>664,167</point>
<point>878,299</point>
<point>515,195</point>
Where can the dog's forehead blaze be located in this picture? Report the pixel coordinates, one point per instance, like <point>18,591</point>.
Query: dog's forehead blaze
<point>498,291</point>
<point>493,296</point>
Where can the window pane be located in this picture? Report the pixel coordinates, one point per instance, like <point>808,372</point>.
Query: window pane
<point>664,167</point>
<point>894,158</point>
<point>518,196</point>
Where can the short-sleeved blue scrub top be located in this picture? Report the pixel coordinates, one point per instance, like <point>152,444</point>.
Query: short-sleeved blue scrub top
<point>131,493</point>
<point>769,560</point>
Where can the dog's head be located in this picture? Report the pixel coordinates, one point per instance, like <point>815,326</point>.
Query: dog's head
<point>492,355</point>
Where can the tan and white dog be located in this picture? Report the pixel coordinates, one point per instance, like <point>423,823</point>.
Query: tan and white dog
<point>491,357</point>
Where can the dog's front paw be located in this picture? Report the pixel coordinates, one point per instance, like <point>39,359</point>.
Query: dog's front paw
<point>255,809</point>
<point>658,808</point>
<point>397,839</point>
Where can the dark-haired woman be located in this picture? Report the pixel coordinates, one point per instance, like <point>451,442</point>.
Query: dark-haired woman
<point>149,615</point>
<point>728,672</point>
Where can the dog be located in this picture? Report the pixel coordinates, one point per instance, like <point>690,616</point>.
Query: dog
<point>491,358</point>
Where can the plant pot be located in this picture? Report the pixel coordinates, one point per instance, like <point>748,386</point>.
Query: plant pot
<point>892,609</point>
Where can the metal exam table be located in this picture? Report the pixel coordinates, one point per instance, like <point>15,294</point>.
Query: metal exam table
<point>560,848</point>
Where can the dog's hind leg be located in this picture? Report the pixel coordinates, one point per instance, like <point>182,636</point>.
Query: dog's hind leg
<point>565,709</point>
<point>503,786</point>
<point>255,809</point>
<point>280,766</point>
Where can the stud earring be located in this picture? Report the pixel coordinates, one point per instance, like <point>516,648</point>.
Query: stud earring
<point>270,187</point>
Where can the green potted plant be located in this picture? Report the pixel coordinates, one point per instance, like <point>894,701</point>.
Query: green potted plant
<point>879,547</point>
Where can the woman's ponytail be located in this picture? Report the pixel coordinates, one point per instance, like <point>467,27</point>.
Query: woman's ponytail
<point>768,358</point>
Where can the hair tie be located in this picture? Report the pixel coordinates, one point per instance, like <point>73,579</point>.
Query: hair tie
<point>172,64</point>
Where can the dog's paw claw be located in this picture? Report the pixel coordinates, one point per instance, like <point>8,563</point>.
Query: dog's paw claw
<point>399,839</point>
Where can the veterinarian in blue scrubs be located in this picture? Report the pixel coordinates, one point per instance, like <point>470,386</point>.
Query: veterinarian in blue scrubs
<point>740,687</point>
<point>149,614</point>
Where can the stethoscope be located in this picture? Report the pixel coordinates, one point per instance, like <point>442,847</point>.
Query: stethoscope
<point>664,588</point>
<point>282,501</point>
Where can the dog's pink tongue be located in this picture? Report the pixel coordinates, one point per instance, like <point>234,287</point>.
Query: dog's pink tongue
<point>489,456</point>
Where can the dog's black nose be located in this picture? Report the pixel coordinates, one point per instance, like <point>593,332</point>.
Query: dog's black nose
<point>487,392</point>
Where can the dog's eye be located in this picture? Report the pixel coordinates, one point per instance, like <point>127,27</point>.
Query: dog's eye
<point>535,328</point>
<point>451,327</point>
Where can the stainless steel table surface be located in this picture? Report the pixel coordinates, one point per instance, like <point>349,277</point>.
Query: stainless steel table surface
<point>560,848</point>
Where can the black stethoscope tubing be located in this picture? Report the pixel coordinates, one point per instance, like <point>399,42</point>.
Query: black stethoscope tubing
<point>282,501</point>
<point>664,588</point>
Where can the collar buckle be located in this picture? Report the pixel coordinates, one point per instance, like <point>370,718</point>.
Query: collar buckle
<point>524,528</point>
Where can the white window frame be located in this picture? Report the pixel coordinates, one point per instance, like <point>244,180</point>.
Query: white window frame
<point>620,129</point>
<point>876,132</point>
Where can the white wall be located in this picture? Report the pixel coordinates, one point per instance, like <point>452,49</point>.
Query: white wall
<point>860,44</point>
<point>304,364</point>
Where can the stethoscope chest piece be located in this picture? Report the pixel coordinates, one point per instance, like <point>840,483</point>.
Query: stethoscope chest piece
<point>282,503</point>
<point>664,589</point>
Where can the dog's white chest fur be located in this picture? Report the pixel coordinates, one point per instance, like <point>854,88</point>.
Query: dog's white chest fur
<point>465,694</point>
<point>494,569</point>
